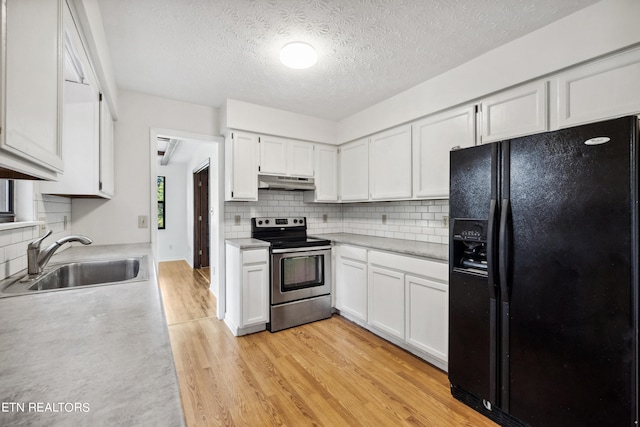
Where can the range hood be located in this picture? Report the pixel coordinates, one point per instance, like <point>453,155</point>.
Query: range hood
<point>285,183</point>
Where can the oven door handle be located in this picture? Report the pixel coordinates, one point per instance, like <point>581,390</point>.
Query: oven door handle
<point>291,250</point>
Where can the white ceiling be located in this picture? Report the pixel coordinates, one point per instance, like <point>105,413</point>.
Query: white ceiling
<point>204,51</point>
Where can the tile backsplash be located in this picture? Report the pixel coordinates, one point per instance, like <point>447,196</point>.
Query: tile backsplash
<point>13,242</point>
<point>280,203</point>
<point>420,220</point>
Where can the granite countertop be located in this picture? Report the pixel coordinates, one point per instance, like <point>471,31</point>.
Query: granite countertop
<point>89,356</point>
<point>248,243</point>
<point>434,251</point>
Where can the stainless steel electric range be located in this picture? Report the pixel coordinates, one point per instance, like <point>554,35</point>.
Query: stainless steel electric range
<point>300,272</point>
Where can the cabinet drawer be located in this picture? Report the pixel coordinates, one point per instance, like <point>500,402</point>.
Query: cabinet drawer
<point>411,265</point>
<point>352,252</point>
<point>255,256</point>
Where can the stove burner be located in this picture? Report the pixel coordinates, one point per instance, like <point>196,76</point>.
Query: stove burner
<point>284,233</point>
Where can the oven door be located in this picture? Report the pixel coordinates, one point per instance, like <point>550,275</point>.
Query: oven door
<point>300,273</point>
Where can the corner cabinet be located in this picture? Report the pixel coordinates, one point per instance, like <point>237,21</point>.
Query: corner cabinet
<point>326,175</point>
<point>351,274</point>
<point>390,164</point>
<point>433,139</point>
<point>31,80</point>
<point>247,289</point>
<point>354,171</point>
<point>241,166</point>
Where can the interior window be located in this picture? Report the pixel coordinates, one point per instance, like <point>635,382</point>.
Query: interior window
<point>7,210</point>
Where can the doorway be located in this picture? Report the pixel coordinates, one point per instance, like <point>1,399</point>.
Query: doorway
<point>201,217</point>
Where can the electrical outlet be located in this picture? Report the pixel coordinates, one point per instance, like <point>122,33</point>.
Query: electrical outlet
<point>237,219</point>
<point>325,217</point>
<point>384,218</point>
<point>43,226</point>
<point>445,221</point>
<point>143,221</point>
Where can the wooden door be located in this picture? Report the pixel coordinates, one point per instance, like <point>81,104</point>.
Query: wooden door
<point>201,218</point>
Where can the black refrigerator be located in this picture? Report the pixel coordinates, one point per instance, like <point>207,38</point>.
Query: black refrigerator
<point>543,277</point>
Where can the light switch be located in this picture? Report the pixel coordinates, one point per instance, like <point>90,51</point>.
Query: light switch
<point>143,221</point>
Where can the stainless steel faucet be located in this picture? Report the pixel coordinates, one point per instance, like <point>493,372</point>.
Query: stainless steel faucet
<point>37,259</point>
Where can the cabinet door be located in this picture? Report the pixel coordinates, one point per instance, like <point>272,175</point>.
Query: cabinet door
<point>244,166</point>
<point>32,82</point>
<point>255,294</point>
<point>433,139</point>
<point>516,112</point>
<point>598,91</point>
<point>390,164</point>
<point>273,155</point>
<point>326,173</point>
<point>351,288</point>
<point>354,171</point>
<point>107,178</point>
<point>300,159</point>
<point>386,300</point>
<point>427,319</point>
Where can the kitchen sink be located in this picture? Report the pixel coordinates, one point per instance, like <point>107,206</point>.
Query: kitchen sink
<point>79,274</point>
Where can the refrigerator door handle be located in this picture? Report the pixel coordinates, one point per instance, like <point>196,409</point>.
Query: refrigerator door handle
<point>503,249</point>
<point>491,247</point>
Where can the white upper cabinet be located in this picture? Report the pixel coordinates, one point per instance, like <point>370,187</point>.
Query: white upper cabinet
<point>241,166</point>
<point>31,86</point>
<point>273,155</point>
<point>390,164</point>
<point>515,112</point>
<point>285,157</point>
<point>326,175</point>
<point>354,171</point>
<point>107,154</point>
<point>433,139</point>
<point>87,131</point>
<point>301,158</point>
<point>604,89</point>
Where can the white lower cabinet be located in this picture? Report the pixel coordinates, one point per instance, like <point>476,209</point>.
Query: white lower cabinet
<point>402,298</point>
<point>247,289</point>
<point>386,300</point>
<point>427,317</point>
<point>351,273</point>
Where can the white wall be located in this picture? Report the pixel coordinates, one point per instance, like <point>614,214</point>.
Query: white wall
<point>605,27</point>
<point>116,221</point>
<point>173,239</point>
<point>240,115</point>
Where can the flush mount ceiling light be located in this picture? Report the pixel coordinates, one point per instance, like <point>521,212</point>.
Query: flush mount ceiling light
<point>298,55</point>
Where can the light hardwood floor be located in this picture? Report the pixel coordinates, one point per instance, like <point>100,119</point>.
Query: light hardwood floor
<point>327,373</point>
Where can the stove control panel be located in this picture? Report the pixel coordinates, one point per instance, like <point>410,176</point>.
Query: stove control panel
<point>279,222</point>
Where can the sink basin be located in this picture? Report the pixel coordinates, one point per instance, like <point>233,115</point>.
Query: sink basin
<point>79,274</point>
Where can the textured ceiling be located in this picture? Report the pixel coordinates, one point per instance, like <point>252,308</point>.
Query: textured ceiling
<point>204,51</point>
